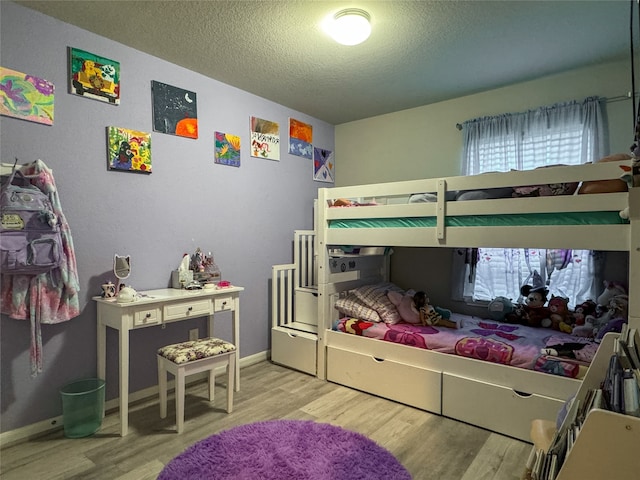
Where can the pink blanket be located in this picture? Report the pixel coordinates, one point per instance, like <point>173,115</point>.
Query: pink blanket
<point>488,340</point>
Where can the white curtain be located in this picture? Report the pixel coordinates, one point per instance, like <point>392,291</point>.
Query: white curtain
<point>568,133</point>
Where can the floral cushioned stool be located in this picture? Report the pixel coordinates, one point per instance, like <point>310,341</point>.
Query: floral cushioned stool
<point>188,358</point>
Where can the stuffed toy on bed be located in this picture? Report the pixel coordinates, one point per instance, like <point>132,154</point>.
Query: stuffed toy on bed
<point>559,314</point>
<point>606,186</point>
<point>533,312</point>
<point>414,308</point>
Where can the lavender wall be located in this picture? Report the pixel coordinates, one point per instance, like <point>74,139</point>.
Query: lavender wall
<point>245,216</point>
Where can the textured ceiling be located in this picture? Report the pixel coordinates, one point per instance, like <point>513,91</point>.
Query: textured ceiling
<point>419,52</point>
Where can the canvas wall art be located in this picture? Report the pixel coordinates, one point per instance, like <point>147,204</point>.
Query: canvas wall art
<point>323,165</point>
<point>26,97</point>
<point>175,110</point>
<point>300,138</point>
<point>265,139</point>
<point>93,76</point>
<point>129,150</point>
<point>227,149</point>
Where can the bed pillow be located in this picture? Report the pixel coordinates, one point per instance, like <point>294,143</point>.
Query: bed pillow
<point>375,297</point>
<point>352,306</point>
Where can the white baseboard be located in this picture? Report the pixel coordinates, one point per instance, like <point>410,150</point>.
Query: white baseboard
<point>45,426</point>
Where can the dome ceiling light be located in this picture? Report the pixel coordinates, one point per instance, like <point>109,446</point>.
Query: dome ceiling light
<point>349,26</point>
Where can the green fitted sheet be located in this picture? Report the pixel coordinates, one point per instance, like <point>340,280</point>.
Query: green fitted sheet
<point>509,220</point>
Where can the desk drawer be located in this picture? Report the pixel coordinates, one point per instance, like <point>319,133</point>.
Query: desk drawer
<point>223,303</point>
<point>148,316</point>
<point>193,308</point>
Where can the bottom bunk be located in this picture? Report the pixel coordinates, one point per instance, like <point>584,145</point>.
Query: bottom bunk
<point>486,373</point>
<point>500,398</point>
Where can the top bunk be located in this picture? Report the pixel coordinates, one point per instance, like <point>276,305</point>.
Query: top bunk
<point>432,213</point>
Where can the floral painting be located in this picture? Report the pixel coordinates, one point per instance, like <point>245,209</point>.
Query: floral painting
<point>93,76</point>
<point>265,139</point>
<point>129,150</point>
<point>175,110</point>
<point>26,97</point>
<point>227,149</point>
<point>323,165</point>
<point>300,138</point>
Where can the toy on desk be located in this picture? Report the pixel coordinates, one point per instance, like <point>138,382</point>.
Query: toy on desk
<point>108,290</point>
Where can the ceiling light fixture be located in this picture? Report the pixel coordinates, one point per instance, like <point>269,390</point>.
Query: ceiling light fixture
<point>349,26</point>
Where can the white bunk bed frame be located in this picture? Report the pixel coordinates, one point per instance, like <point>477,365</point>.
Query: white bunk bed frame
<point>497,397</point>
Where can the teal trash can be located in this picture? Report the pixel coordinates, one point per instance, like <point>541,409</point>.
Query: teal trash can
<point>82,407</point>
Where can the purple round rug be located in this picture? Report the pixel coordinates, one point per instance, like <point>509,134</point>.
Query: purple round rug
<point>285,450</point>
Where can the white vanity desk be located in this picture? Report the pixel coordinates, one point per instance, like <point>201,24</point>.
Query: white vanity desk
<point>155,308</point>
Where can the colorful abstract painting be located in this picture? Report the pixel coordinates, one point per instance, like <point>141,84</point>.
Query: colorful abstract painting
<point>323,165</point>
<point>300,139</point>
<point>227,149</point>
<point>265,139</point>
<point>129,150</point>
<point>26,97</point>
<point>175,110</point>
<point>95,77</point>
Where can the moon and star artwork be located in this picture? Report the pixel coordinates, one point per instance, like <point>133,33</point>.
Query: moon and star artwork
<point>175,110</point>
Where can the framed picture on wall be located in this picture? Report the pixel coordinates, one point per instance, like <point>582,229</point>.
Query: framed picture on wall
<point>323,165</point>
<point>26,97</point>
<point>227,149</point>
<point>93,76</point>
<point>175,110</point>
<point>300,138</point>
<point>265,139</point>
<point>128,150</point>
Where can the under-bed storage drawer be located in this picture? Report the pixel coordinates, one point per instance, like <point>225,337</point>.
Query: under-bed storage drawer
<point>293,349</point>
<point>495,407</point>
<point>397,381</point>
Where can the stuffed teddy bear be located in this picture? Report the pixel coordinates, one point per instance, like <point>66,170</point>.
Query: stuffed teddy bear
<point>559,314</point>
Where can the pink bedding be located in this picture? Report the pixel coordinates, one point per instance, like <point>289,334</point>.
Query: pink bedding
<point>488,340</point>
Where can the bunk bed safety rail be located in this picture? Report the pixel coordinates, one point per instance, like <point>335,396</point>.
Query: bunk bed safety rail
<point>282,291</point>
<point>306,259</point>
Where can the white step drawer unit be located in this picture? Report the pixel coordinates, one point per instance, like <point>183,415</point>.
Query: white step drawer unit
<point>293,349</point>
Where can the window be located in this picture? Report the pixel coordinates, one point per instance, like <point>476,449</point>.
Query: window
<point>567,133</point>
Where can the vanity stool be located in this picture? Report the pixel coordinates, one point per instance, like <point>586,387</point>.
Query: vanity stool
<point>187,358</point>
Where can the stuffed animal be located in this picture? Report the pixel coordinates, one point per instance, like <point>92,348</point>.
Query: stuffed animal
<point>533,312</point>
<point>405,306</point>
<point>433,316</point>
<point>559,314</point>
<point>613,319</point>
<point>607,315</point>
<point>611,289</point>
<point>606,186</point>
<point>499,308</point>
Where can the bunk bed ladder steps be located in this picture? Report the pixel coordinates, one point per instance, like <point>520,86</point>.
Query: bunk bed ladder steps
<point>294,332</point>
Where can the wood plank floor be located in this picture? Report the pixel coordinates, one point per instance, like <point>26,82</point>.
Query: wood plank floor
<point>429,446</point>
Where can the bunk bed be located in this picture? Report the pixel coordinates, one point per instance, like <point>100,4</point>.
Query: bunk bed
<point>375,217</point>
